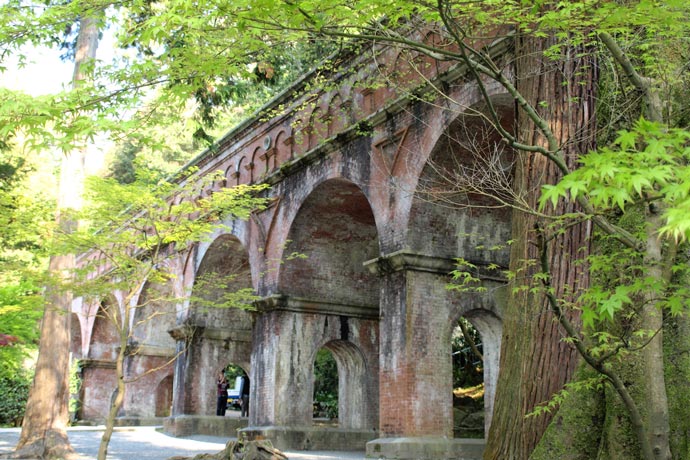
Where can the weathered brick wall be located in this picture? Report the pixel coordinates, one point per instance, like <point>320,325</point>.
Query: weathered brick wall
<point>98,384</point>
<point>350,171</point>
<point>154,316</point>
<point>287,343</point>
<point>149,391</point>
<point>416,366</point>
<point>335,233</point>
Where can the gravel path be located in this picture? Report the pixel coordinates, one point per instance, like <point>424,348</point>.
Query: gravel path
<point>149,444</point>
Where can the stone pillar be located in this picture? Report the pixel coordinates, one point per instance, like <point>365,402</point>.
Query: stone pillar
<point>287,335</point>
<point>183,335</point>
<point>417,319</point>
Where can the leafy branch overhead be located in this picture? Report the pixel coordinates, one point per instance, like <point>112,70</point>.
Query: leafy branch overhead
<point>132,229</point>
<point>646,165</point>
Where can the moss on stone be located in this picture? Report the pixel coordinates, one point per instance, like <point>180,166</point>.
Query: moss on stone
<point>575,432</point>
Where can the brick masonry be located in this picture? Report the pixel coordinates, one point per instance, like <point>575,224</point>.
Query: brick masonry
<point>355,178</point>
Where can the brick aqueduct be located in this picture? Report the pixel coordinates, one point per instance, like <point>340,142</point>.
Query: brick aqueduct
<point>357,180</point>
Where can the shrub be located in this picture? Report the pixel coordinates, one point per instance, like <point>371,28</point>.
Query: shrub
<point>14,391</point>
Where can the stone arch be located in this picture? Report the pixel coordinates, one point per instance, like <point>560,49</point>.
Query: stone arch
<point>221,328</point>
<point>353,400</point>
<point>337,116</point>
<point>99,379</point>
<point>152,350</point>
<point>406,69</point>
<point>300,135</point>
<point>229,176</point>
<point>241,171</point>
<point>332,235</point>
<point>153,316</point>
<point>164,396</point>
<point>255,170</point>
<point>104,335</point>
<point>76,346</point>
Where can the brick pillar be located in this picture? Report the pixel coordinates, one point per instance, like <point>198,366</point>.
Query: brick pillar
<point>416,371</point>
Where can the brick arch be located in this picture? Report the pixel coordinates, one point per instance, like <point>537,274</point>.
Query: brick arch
<point>99,379</point>
<point>230,176</point>
<point>154,316</point>
<point>300,134</point>
<point>164,390</point>
<point>76,345</point>
<point>222,331</point>
<point>255,169</point>
<point>104,335</point>
<point>316,128</point>
<point>282,146</point>
<point>333,233</point>
<point>354,398</point>
<point>448,218</point>
<point>490,327</point>
<point>241,172</point>
<point>337,115</point>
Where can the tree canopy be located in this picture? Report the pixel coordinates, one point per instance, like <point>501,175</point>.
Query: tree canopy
<point>632,186</point>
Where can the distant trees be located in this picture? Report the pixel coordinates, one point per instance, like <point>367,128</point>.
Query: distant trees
<point>134,235</point>
<point>600,91</point>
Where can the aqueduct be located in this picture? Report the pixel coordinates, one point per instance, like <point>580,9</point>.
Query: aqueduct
<point>358,177</point>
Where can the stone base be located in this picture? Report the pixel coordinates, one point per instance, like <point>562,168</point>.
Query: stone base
<point>125,421</point>
<point>212,425</point>
<point>139,421</point>
<point>426,448</point>
<point>310,438</point>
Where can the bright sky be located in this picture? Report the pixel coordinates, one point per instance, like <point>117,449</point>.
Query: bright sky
<point>45,74</point>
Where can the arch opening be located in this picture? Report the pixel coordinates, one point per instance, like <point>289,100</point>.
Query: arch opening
<point>325,388</point>
<point>164,393</point>
<point>238,384</point>
<point>465,191</point>
<point>475,350</point>
<point>221,295</point>
<point>343,401</point>
<point>331,237</point>
<point>468,381</point>
<point>98,369</point>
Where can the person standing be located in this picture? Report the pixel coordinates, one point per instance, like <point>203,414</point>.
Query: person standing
<point>222,393</point>
<point>244,393</point>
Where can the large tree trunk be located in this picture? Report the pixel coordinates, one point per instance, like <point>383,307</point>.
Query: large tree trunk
<point>44,432</point>
<point>535,361</point>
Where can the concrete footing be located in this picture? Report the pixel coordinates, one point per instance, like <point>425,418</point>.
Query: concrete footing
<point>186,425</point>
<point>311,438</point>
<point>426,448</point>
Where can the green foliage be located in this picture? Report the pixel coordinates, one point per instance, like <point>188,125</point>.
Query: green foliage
<point>21,307</point>
<point>467,367</point>
<point>646,164</point>
<point>26,213</point>
<point>132,229</point>
<point>232,371</point>
<point>75,382</point>
<point>325,385</point>
<point>592,383</point>
<point>14,391</point>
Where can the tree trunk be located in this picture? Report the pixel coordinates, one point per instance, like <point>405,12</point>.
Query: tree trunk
<point>116,404</point>
<point>44,432</point>
<point>535,361</point>
<point>657,424</point>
